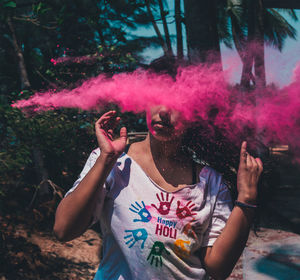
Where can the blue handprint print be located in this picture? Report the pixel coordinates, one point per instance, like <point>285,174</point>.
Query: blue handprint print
<point>134,236</point>
<point>141,211</point>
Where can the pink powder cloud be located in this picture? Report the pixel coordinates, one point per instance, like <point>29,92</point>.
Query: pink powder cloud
<point>196,90</point>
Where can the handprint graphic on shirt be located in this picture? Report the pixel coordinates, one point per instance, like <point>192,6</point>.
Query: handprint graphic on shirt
<point>134,236</point>
<point>156,252</point>
<point>141,211</point>
<point>185,211</point>
<point>164,205</point>
<point>181,249</point>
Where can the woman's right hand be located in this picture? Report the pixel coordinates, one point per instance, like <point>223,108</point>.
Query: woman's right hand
<point>104,132</point>
<point>250,169</point>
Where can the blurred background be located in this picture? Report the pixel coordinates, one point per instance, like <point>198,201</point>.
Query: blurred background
<point>58,44</point>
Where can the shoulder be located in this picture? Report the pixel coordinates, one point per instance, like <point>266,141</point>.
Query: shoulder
<point>214,179</point>
<point>93,157</point>
<point>218,189</point>
<point>138,151</point>
<point>210,174</point>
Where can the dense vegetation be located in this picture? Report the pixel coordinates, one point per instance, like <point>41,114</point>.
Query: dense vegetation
<point>42,153</point>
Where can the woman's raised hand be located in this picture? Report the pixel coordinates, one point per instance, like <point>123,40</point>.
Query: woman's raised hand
<point>248,175</point>
<point>104,132</point>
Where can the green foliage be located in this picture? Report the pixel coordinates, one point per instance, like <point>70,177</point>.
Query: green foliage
<point>8,4</point>
<point>276,27</point>
<point>96,34</point>
<point>63,137</point>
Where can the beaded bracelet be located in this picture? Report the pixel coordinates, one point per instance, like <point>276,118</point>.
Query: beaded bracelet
<point>244,205</point>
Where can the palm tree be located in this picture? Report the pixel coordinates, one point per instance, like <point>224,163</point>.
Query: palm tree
<point>253,24</point>
<point>165,41</point>
<point>201,30</point>
<point>178,22</point>
<point>163,14</point>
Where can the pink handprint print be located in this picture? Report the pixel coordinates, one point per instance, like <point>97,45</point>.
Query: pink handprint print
<point>185,211</point>
<point>164,205</point>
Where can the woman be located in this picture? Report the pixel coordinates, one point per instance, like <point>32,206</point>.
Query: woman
<point>162,216</point>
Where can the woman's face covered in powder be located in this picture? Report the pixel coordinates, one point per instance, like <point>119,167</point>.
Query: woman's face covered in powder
<point>165,124</point>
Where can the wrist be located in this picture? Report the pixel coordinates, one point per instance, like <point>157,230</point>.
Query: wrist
<point>245,205</point>
<point>247,198</point>
<point>108,158</point>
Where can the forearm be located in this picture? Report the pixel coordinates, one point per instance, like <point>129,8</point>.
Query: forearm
<point>227,249</point>
<point>220,259</point>
<point>74,213</point>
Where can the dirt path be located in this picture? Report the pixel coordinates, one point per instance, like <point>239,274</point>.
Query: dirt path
<point>38,255</point>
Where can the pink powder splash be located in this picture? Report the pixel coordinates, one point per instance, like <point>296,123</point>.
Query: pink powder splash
<point>275,114</point>
<point>196,89</point>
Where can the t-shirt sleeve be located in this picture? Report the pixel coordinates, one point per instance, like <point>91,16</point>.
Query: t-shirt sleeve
<point>87,167</point>
<point>220,215</point>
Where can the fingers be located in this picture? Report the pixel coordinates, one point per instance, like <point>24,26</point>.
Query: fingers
<point>110,134</point>
<point>105,117</point>
<point>260,165</point>
<point>101,123</point>
<point>255,165</point>
<point>252,163</point>
<point>248,161</point>
<point>123,134</point>
<point>108,122</point>
<point>243,153</point>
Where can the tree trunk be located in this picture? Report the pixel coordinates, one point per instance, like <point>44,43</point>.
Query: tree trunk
<point>178,21</point>
<point>156,29</point>
<point>25,84</point>
<point>249,57</point>
<point>240,45</point>
<point>259,55</point>
<point>202,34</point>
<point>166,29</point>
<point>40,170</point>
<point>255,46</point>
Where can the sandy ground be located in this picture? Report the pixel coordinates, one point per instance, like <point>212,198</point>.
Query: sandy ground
<point>261,247</point>
<point>38,255</point>
<point>43,257</point>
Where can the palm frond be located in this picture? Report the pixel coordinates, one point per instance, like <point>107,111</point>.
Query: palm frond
<point>237,12</point>
<point>235,7</point>
<point>290,12</point>
<point>277,28</point>
<point>223,26</point>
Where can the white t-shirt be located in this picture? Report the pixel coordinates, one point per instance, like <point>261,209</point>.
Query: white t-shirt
<point>149,233</point>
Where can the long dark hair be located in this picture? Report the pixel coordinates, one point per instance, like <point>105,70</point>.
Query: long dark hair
<point>203,141</point>
<point>208,144</point>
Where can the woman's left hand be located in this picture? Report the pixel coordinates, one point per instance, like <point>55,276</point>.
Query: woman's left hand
<point>248,175</point>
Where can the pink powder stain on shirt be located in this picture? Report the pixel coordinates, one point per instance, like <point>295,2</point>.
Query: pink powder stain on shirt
<point>197,90</point>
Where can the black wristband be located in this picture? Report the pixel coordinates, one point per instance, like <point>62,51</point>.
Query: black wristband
<point>245,205</point>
